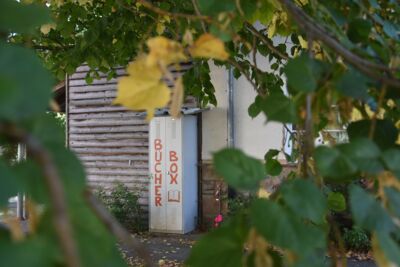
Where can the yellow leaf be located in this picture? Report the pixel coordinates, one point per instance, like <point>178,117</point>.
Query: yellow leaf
<point>263,193</point>
<point>303,43</point>
<point>387,179</point>
<point>33,212</point>
<point>84,2</point>
<point>160,28</point>
<point>209,46</point>
<point>143,88</point>
<point>167,18</point>
<point>272,26</point>
<point>187,37</point>
<point>15,228</point>
<point>177,98</point>
<point>164,51</point>
<point>46,28</point>
<point>256,244</point>
<point>379,255</point>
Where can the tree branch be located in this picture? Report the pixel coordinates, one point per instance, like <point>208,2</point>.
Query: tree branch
<point>160,11</point>
<point>117,229</point>
<point>367,67</point>
<point>51,48</point>
<point>54,185</point>
<point>265,40</point>
<point>236,65</point>
<point>197,10</point>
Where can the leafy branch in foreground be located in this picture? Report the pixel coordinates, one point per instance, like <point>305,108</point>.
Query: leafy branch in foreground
<point>61,223</point>
<point>341,66</point>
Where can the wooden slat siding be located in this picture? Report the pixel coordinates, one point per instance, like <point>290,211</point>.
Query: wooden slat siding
<point>92,88</point>
<point>124,158</point>
<point>107,122</point>
<point>111,141</point>
<point>119,143</point>
<point>93,95</point>
<point>74,109</point>
<point>107,136</point>
<point>113,129</point>
<point>115,164</point>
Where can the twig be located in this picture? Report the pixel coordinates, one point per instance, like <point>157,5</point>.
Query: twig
<point>51,48</point>
<point>373,121</point>
<point>365,66</point>
<point>265,41</point>
<point>197,10</point>
<point>236,65</point>
<point>54,185</point>
<point>160,11</point>
<point>308,134</point>
<point>117,229</point>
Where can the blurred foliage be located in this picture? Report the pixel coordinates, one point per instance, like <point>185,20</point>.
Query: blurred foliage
<point>328,63</point>
<point>124,205</point>
<point>357,240</point>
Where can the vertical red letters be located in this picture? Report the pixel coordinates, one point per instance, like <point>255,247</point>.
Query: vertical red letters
<point>158,172</point>
<point>173,168</point>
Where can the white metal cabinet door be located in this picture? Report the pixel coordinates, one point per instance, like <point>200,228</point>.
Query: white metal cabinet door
<point>158,178</point>
<point>174,177</point>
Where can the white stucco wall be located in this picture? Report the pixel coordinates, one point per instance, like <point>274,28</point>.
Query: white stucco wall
<point>215,120</point>
<point>253,136</point>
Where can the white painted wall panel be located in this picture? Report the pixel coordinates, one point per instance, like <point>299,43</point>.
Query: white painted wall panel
<point>214,130</point>
<point>173,198</point>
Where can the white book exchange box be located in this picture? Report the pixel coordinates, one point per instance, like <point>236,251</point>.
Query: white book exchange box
<point>173,174</point>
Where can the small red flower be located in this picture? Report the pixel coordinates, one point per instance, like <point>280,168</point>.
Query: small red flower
<point>217,220</point>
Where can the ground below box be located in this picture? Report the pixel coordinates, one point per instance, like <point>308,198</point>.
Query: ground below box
<point>168,250</point>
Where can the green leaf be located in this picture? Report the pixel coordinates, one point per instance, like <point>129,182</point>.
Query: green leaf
<point>21,18</point>
<point>89,229</point>
<point>213,7</point>
<point>385,134</point>
<point>221,247</point>
<point>336,202</point>
<point>238,169</point>
<point>304,199</point>
<point>9,184</point>
<point>391,159</point>
<point>303,73</point>
<point>28,253</point>
<point>353,84</point>
<point>254,110</point>
<point>42,125</point>
<point>332,163</point>
<point>359,30</point>
<point>25,86</point>
<point>281,228</point>
<point>389,247</point>
<point>391,30</point>
<point>368,212</point>
<point>364,153</point>
<point>271,153</point>
<point>278,107</point>
<point>394,200</point>
<point>273,167</point>
<point>264,12</point>
<point>31,177</point>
